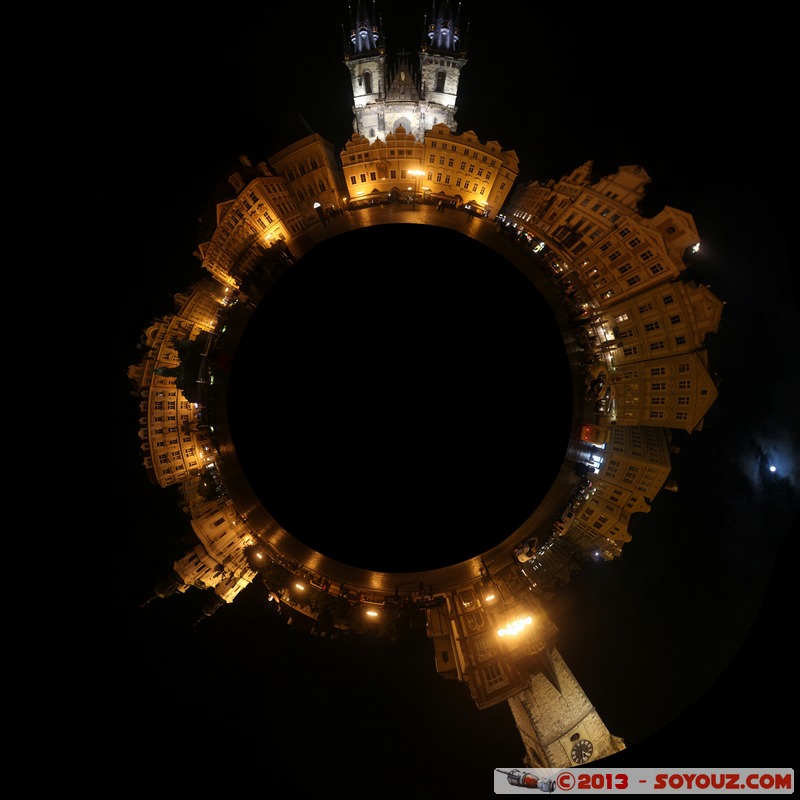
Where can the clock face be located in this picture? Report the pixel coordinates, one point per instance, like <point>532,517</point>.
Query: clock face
<point>582,751</point>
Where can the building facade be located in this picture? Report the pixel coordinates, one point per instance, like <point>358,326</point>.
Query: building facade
<point>457,169</point>
<point>173,427</point>
<point>603,249</point>
<point>252,211</point>
<point>632,469</point>
<point>313,174</point>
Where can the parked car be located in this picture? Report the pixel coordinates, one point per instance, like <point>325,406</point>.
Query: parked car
<point>525,551</point>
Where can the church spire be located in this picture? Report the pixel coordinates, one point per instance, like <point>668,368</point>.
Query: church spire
<point>444,29</point>
<point>365,32</point>
<point>391,93</point>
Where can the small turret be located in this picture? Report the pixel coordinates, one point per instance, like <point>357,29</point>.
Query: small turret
<point>444,30</point>
<point>365,31</point>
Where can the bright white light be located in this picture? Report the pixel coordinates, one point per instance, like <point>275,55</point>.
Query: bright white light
<point>515,627</point>
<point>772,468</point>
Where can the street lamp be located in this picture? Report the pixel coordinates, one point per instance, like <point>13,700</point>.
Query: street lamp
<point>417,173</point>
<point>515,627</point>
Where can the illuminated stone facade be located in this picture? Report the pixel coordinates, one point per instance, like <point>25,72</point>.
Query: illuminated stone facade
<point>633,470</point>
<point>558,724</point>
<point>312,172</point>
<point>608,251</point>
<point>174,434</point>
<point>403,92</point>
<point>252,211</point>
<point>458,169</point>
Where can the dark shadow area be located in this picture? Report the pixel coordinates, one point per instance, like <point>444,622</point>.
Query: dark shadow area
<point>388,397</point>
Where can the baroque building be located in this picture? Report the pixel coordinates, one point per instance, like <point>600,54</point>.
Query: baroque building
<point>251,212</point>
<point>173,426</point>
<point>632,470</point>
<point>607,250</point>
<point>459,170</point>
<point>625,275</point>
<point>310,166</point>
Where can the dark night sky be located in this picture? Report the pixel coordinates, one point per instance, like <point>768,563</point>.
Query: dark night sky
<point>121,141</point>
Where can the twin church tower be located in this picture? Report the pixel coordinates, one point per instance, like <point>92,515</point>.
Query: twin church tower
<point>415,93</point>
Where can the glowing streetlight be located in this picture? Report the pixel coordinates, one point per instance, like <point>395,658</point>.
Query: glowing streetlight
<point>516,627</point>
<point>417,173</point>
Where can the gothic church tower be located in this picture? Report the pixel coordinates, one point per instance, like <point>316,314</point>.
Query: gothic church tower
<point>558,724</point>
<point>416,96</point>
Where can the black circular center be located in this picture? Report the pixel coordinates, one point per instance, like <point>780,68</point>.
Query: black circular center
<point>401,399</point>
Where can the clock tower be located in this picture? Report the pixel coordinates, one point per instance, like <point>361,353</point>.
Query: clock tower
<point>558,724</point>
<point>497,637</point>
<point>413,94</point>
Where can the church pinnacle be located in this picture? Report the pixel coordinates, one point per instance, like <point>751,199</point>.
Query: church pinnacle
<point>416,94</point>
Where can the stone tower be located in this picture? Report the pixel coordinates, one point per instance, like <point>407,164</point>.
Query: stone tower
<point>558,724</point>
<point>401,92</point>
<point>496,636</point>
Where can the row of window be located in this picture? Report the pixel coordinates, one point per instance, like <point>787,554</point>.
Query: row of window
<point>466,151</point>
<point>604,213</point>
<point>463,166</point>
<point>301,168</point>
<point>441,180</point>
<point>368,155</point>
<point>660,344</point>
